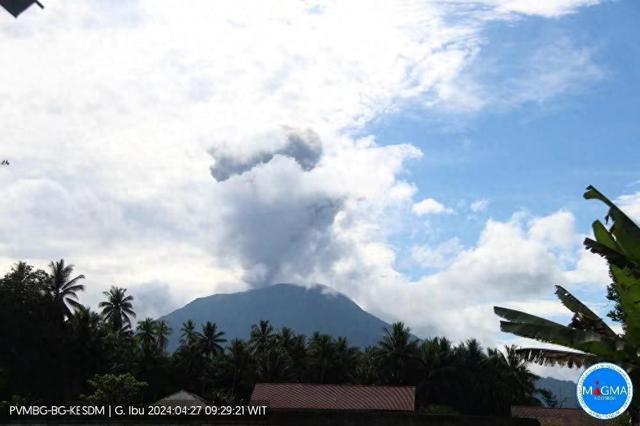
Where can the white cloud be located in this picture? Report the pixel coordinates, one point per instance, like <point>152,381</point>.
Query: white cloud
<point>554,69</point>
<point>430,206</point>
<point>556,230</point>
<point>589,269</point>
<point>508,266</point>
<point>437,257</point>
<point>537,73</point>
<point>549,9</point>
<point>479,206</point>
<point>630,204</point>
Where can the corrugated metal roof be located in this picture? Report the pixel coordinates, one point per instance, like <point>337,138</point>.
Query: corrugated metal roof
<point>556,416</point>
<point>334,397</point>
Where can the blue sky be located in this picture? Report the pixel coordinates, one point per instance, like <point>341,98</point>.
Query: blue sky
<point>426,158</point>
<point>534,156</point>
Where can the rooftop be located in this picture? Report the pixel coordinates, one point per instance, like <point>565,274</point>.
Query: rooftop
<point>182,398</point>
<point>296,396</point>
<point>556,416</point>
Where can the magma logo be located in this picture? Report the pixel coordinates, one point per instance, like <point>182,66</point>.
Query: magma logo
<point>604,391</point>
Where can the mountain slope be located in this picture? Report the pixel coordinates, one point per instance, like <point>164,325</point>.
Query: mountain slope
<point>305,310</point>
<point>564,390</point>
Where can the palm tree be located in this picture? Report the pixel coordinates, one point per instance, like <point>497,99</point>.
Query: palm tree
<point>286,337</point>
<point>274,365</point>
<point>85,322</point>
<point>295,347</point>
<point>514,384</point>
<point>398,353</point>
<point>588,337</point>
<point>62,288</point>
<point>438,361</point>
<point>239,360</point>
<point>118,308</point>
<point>188,333</point>
<point>321,354</point>
<point>262,337</point>
<point>367,369</point>
<point>162,332</point>
<point>347,358</point>
<point>211,340</point>
<point>146,334</point>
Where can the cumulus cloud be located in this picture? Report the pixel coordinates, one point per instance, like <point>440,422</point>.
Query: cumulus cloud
<point>556,230</point>
<point>437,257</point>
<point>430,206</point>
<point>509,265</point>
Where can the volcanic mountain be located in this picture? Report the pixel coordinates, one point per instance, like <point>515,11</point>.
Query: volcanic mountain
<point>302,309</point>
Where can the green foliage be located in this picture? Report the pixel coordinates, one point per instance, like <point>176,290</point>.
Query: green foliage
<point>115,389</point>
<point>118,309</point>
<point>64,289</point>
<point>588,333</point>
<point>54,357</point>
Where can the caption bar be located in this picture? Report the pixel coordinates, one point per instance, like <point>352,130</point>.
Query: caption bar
<point>135,411</point>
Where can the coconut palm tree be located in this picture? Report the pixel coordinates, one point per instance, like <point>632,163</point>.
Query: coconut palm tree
<point>117,310</point>
<point>398,354</point>
<point>274,366</point>
<point>321,355</point>
<point>262,337</point>
<point>438,360</point>
<point>188,333</point>
<point>367,369</point>
<point>238,359</point>
<point>146,334</point>
<point>515,383</point>
<point>62,288</point>
<point>295,346</point>
<point>347,358</point>
<point>285,337</point>
<point>163,331</point>
<point>211,340</point>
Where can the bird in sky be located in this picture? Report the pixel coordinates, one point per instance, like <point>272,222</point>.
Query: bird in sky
<point>5,162</point>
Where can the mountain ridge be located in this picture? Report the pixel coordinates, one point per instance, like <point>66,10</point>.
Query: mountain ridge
<point>303,309</point>
<point>564,390</point>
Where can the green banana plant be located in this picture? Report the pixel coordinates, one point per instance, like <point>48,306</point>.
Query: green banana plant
<point>588,338</point>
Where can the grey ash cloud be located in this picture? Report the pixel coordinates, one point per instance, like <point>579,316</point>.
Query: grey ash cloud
<point>275,231</point>
<point>303,146</point>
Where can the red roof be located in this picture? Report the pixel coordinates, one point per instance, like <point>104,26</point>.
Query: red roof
<point>556,416</point>
<point>302,396</point>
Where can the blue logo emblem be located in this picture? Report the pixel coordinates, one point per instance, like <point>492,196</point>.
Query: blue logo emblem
<point>604,391</point>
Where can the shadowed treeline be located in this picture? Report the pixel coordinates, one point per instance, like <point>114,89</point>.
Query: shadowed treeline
<point>56,350</point>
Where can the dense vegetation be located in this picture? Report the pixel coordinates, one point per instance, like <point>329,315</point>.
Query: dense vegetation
<point>56,350</point>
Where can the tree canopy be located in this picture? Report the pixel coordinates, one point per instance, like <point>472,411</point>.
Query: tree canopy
<point>60,351</point>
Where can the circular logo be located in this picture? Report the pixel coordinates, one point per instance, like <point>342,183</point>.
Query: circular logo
<point>604,391</point>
